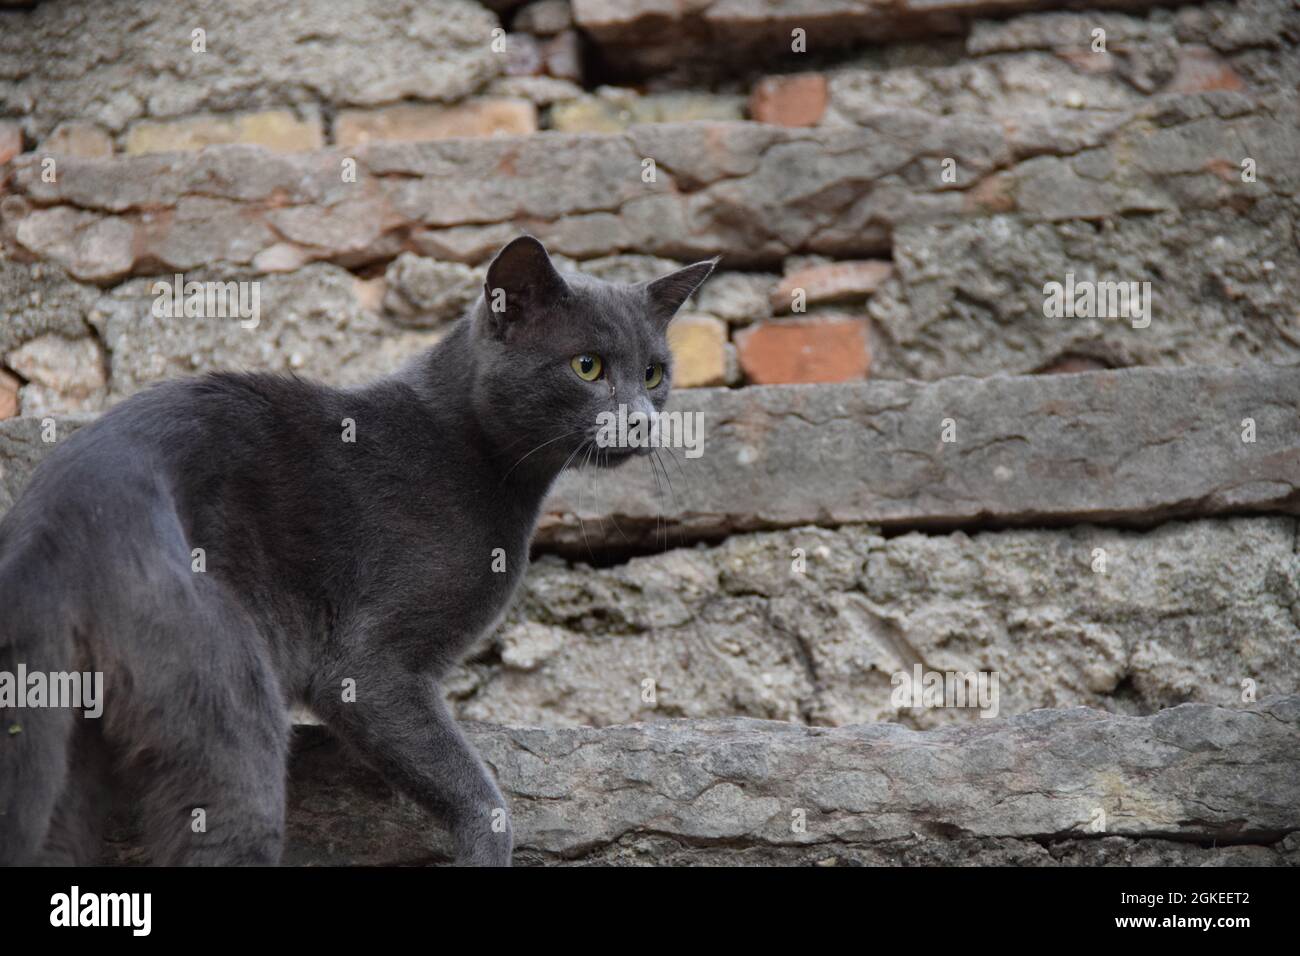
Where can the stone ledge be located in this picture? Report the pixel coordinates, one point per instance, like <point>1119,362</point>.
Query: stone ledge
<point>1168,787</point>
<point>1134,446</point>
<point>1138,445</point>
<point>750,192</point>
<point>638,37</point>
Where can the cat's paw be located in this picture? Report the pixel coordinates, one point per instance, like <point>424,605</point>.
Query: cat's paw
<point>490,841</point>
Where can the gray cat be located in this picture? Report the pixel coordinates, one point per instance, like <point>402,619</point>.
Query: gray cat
<point>349,539</point>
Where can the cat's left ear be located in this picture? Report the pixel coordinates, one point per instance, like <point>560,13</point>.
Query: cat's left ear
<point>521,281</point>
<point>667,293</point>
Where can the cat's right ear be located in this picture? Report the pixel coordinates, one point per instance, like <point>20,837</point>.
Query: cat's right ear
<point>521,281</point>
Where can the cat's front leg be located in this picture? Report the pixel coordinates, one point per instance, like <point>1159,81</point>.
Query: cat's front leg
<point>401,725</point>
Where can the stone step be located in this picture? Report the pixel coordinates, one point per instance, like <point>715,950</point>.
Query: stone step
<point>1138,446</point>
<point>822,626</point>
<point>1194,784</point>
<point>638,37</point>
<point>750,192</point>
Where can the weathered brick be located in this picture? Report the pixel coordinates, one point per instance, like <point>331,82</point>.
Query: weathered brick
<point>1201,70</point>
<point>411,122</point>
<point>9,385</point>
<point>795,100</point>
<point>277,130</point>
<point>814,349</point>
<point>832,282</point>
<point>83,140</point>
<point>11,141</point>
<point>614,109</point>
<point>699,346</point>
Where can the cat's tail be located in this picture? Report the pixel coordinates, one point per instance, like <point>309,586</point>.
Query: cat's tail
<point>35,737</point>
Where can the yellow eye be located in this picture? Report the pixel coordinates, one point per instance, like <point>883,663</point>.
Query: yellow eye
<point>654,374</point>
<point>588,367</point>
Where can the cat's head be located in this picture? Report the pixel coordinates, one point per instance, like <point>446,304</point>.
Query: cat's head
<point>554,352</point>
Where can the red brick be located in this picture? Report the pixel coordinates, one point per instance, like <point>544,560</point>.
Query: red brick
<point>795,100</point>
<point>1201,70</point>
<point>822,349</point>
<point>992,194</point>
<point>11,141</point>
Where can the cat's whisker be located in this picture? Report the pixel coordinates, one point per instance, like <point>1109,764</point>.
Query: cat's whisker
<point>591,446</point>
<point>663,515</point>
<point>685,475</point>
<point>677,461</point>
<point>659,494</point>
<point>672,495</point>
<point>613,520</point>
<point>667,477</point>
<point>539,448</point>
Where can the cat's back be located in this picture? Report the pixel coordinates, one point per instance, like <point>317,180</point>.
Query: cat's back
<point>164,446</point>
<point>181,427</point>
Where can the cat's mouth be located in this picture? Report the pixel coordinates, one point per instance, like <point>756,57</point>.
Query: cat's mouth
<point>614,456</point>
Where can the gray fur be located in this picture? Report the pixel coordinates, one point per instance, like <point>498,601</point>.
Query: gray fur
<point>326,561</point>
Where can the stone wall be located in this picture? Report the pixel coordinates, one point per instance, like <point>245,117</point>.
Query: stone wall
<point>1127,161</point>
<point>907,461</point>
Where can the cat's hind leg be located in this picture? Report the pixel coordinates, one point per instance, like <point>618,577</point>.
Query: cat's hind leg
<point>210,742</point>
<point>34,747</point>
<point>76,832</point>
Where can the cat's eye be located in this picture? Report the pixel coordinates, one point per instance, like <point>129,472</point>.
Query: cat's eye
<point>654,374</point>
<point>588,367</point>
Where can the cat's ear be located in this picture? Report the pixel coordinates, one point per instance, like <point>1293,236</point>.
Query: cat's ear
<point>520,280</point>
<point>667,293</point>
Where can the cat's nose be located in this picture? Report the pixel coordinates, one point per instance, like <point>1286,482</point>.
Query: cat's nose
<point>640,409</point>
